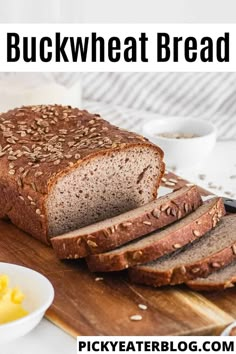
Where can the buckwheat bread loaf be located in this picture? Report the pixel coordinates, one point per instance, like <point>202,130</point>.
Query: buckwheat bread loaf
<point>157,244</point>
<point>62,168</point>
<point>219,280</point>
<point>116,231</point>
<point>211,252</point>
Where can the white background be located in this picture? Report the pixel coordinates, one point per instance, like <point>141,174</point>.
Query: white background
<point>161,11</point>
<point>111,11</point>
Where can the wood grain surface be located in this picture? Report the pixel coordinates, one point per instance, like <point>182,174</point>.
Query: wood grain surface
<point>84,306</point>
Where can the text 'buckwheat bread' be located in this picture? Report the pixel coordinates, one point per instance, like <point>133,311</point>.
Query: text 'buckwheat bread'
<point>62,168</point>
<point>159,243</point>
<point>220,280</point>
<point>210,252</point>
<point>116,231</point>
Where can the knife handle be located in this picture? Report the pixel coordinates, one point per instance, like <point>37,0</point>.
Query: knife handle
<point>230,205</point>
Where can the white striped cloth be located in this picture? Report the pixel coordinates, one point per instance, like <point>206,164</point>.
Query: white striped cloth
<point>128,99</point>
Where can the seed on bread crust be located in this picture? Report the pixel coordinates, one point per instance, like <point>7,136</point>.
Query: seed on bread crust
<point>170,184</point>
<point>91,244</point>
<point>38,174</point>
<point>177,245</point>
<point>186,207</point>
<point>112,228</point>
<point>156,213</point>
<point>19,182</point>
<point>173,180</point>
<point>106,233</point>
<point>168,211</point>
<point>182,270</point>
<point>195,270</point>
<point>147,223</point>
<point>234,249</point>
<point>164,207</point>
<point>137,255</point>
<point>196,233</point>
<point>127,224</point>
<point>79,241</point>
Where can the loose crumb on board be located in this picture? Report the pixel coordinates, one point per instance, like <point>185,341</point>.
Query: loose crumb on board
<point>99,279</point>
<point>142,306</point>
<point>202,176</point>
<point>136,318</point>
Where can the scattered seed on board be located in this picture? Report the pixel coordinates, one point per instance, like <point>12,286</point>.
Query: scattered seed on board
<point>228,193</point>
<point>99,279</point>
<point>136,318</point>
<point>202,176</point>
<point>142,307</point>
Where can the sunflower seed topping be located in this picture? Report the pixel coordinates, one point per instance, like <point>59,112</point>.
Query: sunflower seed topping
<point>147,223</point>
<point>136,318</point>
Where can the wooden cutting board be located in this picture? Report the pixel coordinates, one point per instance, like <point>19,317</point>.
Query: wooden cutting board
<point>84,306</point>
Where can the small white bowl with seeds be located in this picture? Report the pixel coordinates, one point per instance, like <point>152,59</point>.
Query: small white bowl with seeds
<point>186,142</point>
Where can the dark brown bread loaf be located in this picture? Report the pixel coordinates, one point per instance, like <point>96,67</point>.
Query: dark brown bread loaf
<point>213,251</point>
<point>111,233</point>
<point>62,169</point>
<point>157,244</point>
<point>223,279</point>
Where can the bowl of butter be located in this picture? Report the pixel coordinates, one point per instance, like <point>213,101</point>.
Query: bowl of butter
<point>25,295</point>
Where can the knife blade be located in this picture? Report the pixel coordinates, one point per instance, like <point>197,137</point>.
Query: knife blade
<point>230,205</point>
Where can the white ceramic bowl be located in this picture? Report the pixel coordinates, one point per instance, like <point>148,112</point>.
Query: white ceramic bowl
<point>227,330</point>
<point>38,293</point>
<point>182,153</point>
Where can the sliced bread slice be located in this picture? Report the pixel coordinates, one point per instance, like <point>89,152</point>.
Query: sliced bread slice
<point>213,251</point>
<point>159,243</point>
<point>113,232</point>
<point>224,278</point>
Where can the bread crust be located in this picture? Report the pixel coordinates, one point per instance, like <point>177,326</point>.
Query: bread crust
<point>200,284</point>
<point>104,239</point>
<point>34,143</point>
<point>184,273</point>
<point>107,262</point>
<point>211,286</point>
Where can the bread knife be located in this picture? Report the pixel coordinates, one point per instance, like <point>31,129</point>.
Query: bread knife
<point>230,205</point>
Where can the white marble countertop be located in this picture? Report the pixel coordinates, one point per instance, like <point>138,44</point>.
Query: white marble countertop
<point>217,173</point>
